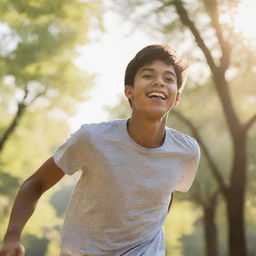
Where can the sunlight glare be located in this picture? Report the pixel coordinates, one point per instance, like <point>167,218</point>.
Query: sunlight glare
<point>245,19</point>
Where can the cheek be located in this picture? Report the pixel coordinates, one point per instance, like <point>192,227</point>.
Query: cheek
<point>173,93</point>
<point>139,90</point>
<point>173,90</point>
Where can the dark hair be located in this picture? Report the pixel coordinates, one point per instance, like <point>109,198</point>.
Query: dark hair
<point>154,52</point>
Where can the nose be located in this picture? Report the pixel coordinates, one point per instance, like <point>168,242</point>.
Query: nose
<point>158,81</point>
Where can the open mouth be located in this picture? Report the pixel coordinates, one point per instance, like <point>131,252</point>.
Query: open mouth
<point>157,95</point>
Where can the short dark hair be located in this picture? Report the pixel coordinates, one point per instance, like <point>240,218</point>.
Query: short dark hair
<point>154,52</point>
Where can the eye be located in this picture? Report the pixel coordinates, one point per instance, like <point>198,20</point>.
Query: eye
<point>170,80</point>
<point>147,76</point>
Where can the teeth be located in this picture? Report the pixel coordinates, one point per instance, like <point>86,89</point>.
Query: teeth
<point>157,94</point>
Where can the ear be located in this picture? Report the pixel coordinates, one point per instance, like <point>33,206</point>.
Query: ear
<point>177,98</point>
<point>128,91</point>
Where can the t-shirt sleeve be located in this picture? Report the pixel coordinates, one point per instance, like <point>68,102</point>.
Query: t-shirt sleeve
<point>190,167</point>
<point>72,156</point>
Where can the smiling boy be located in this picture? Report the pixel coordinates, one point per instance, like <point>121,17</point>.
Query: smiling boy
<point>129,169</point>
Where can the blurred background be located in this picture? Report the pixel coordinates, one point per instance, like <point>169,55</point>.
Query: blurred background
<point>62,64</point>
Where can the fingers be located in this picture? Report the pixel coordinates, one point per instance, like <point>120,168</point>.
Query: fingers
<point>21,252</point>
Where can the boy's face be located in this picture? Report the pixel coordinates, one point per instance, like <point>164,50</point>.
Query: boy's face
<point>154,91</point>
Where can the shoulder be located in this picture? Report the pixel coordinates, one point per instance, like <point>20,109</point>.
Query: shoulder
<point>103,126</point>
<point>187,142</point>
<point>101,130</point>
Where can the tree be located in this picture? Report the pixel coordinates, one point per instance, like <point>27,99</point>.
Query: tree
<point>204,193</point>
<point>217,49</point>
<point>38,44</point>
<point>39,85</point>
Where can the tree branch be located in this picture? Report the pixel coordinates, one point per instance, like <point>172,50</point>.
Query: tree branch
<point>215,170</point>
<point>211,203</point>
<point>249,123</point>
<point>38,96</point>
<point>21,110</point>
<point>218,72</point>
<point>182,12</point>
<point>211,7</point>
<point>13,125</point>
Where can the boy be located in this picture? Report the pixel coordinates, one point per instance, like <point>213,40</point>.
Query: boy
<point>129,169</point>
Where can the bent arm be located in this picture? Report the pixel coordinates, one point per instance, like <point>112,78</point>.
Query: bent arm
<point>29,193</point>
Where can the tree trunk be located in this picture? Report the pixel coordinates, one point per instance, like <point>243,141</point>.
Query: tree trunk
<point>10,130</point>
<point>210,228</point>
<point>236,199</point>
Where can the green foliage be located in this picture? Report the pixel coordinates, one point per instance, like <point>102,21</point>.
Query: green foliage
<point>35,246</point>
<point>8,183</point>
<point>193,243</point>
<point>30,146</point>
<point>180,223</point>
<point>59,200</point>
<point>32,143</point>
<point>39,40</point>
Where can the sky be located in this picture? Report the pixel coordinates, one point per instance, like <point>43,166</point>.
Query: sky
<point>107,56</point>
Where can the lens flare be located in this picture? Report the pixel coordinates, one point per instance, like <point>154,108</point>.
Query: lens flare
<point>244,19</point>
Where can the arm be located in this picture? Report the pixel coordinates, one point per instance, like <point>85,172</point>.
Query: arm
<point>25,203</point>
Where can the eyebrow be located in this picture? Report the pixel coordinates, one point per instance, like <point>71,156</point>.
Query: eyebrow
<point>152,70</point>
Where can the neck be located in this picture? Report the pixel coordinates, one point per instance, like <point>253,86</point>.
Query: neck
<point>149,133</point>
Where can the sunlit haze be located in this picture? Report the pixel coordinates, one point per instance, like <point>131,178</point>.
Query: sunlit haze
<point>108,57</point>
<point>242,18</point>
<point>245,19</point>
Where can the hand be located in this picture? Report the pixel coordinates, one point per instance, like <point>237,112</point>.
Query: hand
<point>12,249</point>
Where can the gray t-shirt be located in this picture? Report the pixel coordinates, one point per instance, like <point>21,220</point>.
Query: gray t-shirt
<point>121,199</point>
